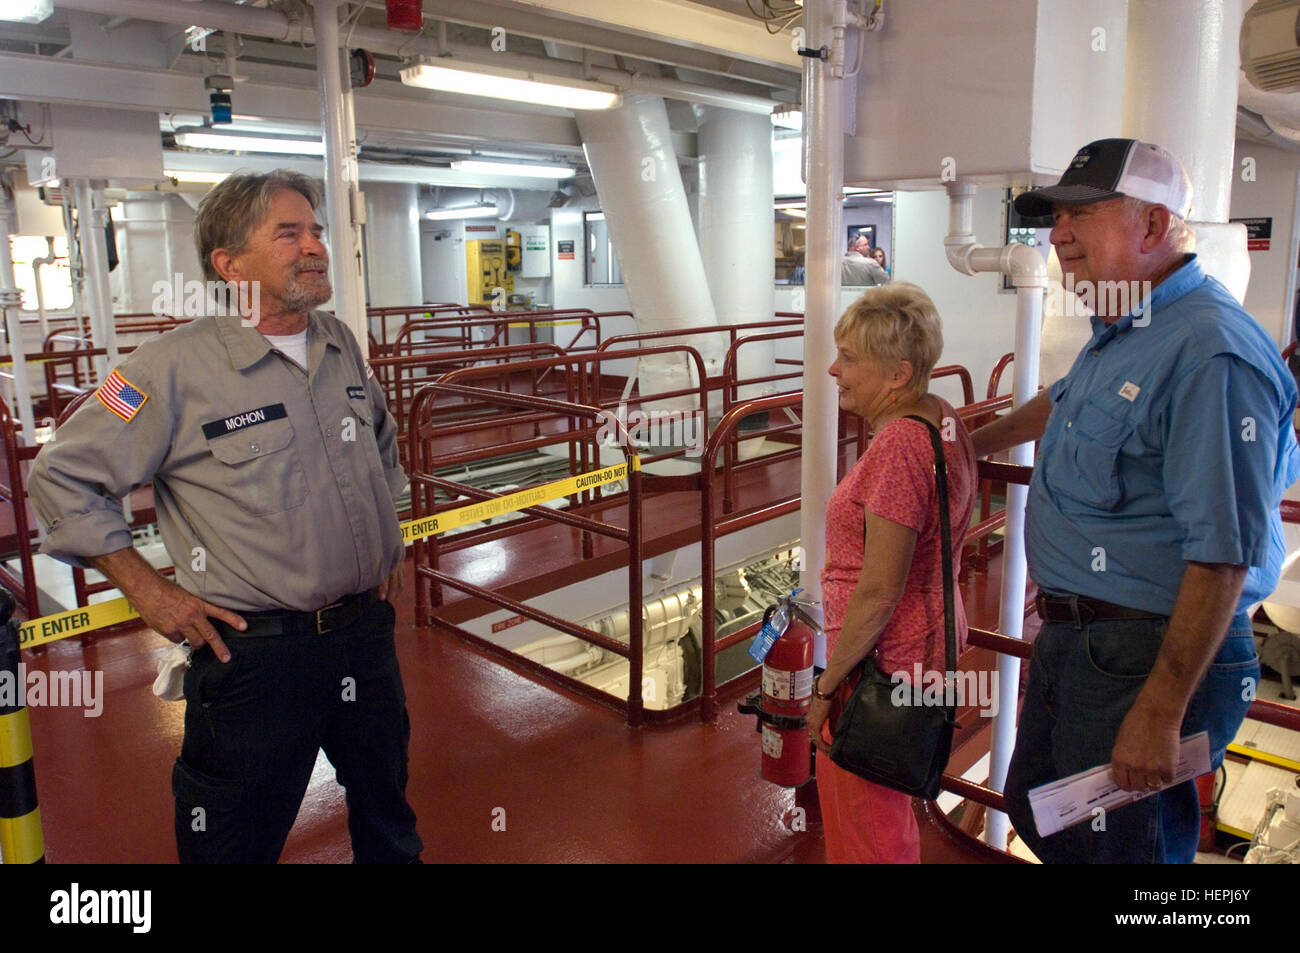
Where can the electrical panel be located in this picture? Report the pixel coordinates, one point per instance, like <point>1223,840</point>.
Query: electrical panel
<point>487,274</point>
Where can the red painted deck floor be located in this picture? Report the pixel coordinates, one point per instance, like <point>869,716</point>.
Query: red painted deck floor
<point>571,782</point>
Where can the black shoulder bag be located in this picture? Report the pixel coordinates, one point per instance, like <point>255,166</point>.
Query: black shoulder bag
<point>904,747</point>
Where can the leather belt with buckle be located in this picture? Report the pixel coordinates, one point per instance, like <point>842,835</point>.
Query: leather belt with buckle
<point>1079,611</point>
<point>336,615</point>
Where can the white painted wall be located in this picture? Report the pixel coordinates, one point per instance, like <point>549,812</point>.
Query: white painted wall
<point>1271,294</point>
<point>978,320</point>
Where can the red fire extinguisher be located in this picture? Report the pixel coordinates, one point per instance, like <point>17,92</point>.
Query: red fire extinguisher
<point>782,707</point>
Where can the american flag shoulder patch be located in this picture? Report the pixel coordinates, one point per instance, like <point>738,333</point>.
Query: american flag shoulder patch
<point>121,397</point>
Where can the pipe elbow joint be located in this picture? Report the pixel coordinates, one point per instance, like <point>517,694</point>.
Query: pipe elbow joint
<point>1025,266</point>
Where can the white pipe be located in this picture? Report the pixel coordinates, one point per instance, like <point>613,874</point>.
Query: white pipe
<point>37,264</point>
<point>1028,273</point>
<point>252,21</point>
<point>11,301</point>
<point>341,194</point>
<point>91,221</point>
<point>823,141</point>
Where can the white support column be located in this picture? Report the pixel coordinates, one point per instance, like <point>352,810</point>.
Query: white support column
<point>342,198</point>
<point>630,152</point>
<point>11,302</point>
<point>823,138</point>
<point>393,243</point>
<point>736,235</point>
<point>1168,42</point>
<point>94,259</point>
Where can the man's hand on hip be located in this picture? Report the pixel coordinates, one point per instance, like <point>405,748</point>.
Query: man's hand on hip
<point>164,606</point>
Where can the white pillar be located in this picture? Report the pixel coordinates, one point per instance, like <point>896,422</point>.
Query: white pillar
<point>630,152</point>
<point>393,243</point>
<point>342,198</point>
<point>1181,93</point>
<point>11,302</point>
<point>91,219</point>
<point>736,234</point>
<point>823,138</point>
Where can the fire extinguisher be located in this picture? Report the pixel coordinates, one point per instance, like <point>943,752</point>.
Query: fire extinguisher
<point>785,647</point>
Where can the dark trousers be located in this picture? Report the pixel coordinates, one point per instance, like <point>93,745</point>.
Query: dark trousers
<point>1082,682</point>
<point>254,725</point>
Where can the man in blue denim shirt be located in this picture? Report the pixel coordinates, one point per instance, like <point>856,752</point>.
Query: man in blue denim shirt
<point>1153,518</point>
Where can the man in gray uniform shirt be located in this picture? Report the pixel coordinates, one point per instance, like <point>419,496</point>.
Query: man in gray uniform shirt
<point>274,467</point>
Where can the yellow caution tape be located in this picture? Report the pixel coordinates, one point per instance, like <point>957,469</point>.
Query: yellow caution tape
<point>100,615</point>
<point>1255,754</point>
<point>512,502</point>
<point>543,324</point>
<point>78,621</point>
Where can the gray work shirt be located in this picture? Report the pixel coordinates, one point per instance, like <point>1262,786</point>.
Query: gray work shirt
<point>274,486</point>
<point>860,270</point>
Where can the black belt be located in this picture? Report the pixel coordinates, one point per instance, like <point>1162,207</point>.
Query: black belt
<point>336,615</point>
<point>1081,610</point>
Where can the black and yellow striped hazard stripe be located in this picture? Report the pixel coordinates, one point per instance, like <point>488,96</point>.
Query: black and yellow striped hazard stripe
<point>21,840</point>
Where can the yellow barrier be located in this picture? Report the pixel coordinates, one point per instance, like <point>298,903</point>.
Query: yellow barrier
<point>62,625</point>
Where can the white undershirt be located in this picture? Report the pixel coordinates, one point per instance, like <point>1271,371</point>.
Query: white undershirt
<point>293,346</point>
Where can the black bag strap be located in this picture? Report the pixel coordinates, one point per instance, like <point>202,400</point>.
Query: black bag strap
<point>945,535</point>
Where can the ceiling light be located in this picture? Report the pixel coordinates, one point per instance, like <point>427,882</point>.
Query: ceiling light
<point>209,178</point>
<point>212,139</point>
<point>469,211</point>
<point>512,168</point>
<point>518,85</point>
<point>26,11</point>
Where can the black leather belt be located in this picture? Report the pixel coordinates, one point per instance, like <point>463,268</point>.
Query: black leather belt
<point>336,615</point>
<point>1079,611</point>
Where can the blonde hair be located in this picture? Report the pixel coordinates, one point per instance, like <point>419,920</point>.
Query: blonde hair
<point>894,323</point>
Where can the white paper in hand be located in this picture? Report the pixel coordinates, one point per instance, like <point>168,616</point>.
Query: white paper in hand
<point>1069,801</point>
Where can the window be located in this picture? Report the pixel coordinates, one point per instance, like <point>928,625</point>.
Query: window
<point>56,278</point>
<point>602,264</point>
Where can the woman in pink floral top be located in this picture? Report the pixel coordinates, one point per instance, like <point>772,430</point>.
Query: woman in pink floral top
<point>882,587</point>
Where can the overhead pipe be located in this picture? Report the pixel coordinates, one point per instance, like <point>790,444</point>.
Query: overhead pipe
<point>1028,272</point>
<point>253,21</point>
<point>823,143</point>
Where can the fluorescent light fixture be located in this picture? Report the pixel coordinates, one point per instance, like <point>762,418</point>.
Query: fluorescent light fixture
<point>212,139</point>
<point>211,178</point>
<point>512,168</point>
<point>788,116</point>
<point>791,203</point>
<point>517,85</point>
<point>25,11</point>
<point>796,212</point>
<point>469,211</point>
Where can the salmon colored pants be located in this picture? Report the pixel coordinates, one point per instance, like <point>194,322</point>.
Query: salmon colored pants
<point>864,822</point>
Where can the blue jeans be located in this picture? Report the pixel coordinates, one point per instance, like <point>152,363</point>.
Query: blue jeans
<point>1082,682</point>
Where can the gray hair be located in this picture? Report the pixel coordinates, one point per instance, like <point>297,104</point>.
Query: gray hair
<point>234,208</point>
<point>1180,238</point>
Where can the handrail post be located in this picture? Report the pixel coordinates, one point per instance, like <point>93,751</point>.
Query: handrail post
<point>21,839</point>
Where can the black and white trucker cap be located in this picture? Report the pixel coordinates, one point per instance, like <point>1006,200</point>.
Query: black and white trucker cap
<point>1110,168</point>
